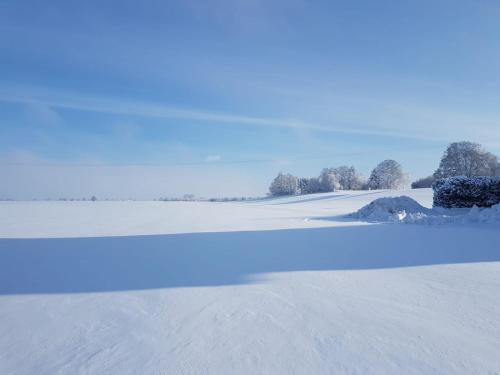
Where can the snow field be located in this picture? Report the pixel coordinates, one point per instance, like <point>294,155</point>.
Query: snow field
<point>279,286</point>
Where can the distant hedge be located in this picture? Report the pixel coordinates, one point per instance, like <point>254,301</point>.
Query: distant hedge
<point>461,192</point>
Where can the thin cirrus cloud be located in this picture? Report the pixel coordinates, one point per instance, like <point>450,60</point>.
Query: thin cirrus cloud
<point>406,121</point>
<point>69,100</point>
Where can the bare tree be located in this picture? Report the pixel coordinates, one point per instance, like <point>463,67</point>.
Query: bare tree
<point>309,185</point>
<point>348,178</point>
<point>284,184</point>
<point>466,159</point>
<point>388,175</point>
<point>329,180</point>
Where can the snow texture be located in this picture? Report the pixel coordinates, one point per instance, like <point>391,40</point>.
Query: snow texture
<point>406,210</point>
<point>392,209</point>
<point>279,286</point>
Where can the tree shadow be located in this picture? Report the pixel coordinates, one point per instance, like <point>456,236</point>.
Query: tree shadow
<point>105,264</point>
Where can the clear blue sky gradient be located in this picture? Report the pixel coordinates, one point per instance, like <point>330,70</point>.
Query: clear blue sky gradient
<point>109,97</point>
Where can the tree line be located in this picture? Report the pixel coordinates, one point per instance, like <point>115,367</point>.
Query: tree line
<point>386,175</point>
<point>460,159</point>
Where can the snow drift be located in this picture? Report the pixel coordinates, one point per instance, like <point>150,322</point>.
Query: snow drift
<point>245,288</point>
<point>391,209</point>
<point>406,210</point>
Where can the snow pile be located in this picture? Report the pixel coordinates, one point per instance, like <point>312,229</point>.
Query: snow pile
<point>391,209</point>
<point>406,210</point>
<point>483,215</point>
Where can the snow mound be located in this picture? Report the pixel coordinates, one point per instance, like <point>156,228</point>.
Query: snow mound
<point>389,209</point>
<point>406,210</point>
<point>481,215</point>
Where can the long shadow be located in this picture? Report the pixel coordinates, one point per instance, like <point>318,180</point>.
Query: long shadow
<point>80,265</point>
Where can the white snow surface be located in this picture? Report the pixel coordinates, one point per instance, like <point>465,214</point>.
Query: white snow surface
<point>391,209</point>
<point>278,286</point>
<point>404,209</point>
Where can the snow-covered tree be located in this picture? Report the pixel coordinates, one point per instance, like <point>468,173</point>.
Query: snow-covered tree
<point>461,191</point>
<point>388,175</point>
<point>284,184</point>
<point>348,178</point>
<point>309,185</point>
<point>328,180</point>
<point>466,159</point>
<point>341,178</point>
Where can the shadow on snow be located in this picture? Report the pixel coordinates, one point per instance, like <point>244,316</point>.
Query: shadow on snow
<point>104,264</point>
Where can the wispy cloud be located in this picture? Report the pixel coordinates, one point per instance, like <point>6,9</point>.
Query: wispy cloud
<point>70,100</point>
<point>377,118</point>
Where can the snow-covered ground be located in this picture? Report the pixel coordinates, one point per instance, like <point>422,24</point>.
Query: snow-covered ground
<point>279,286</point>
<point>95,219</point>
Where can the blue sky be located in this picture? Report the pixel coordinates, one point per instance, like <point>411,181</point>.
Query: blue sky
<point>153,98</point>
